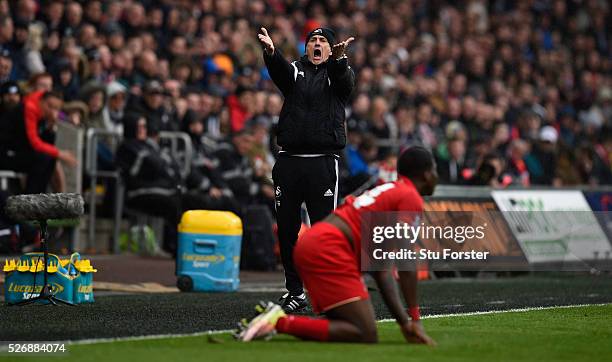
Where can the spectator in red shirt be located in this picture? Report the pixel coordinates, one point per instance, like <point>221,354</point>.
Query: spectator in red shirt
<point>26,140</point>
<point>239,107</point>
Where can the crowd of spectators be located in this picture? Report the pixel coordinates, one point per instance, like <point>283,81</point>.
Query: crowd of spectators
<point>503,92</point>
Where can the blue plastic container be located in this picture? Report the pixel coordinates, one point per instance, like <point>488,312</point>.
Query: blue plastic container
<point>208,255</point>
<point>24,280</point>
<point>83,282</point>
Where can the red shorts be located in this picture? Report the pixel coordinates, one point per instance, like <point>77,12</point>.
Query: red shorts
<point>328,267</point>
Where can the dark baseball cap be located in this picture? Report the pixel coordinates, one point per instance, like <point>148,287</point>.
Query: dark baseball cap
<point>5,53</point>
<point>112,28</point>
<point>9,87</point>
<point>21,23</point>
<point>153,87</point>
<point>93,55</point>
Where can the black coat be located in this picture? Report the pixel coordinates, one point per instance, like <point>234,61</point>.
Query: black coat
<point>450,172</point>
<point>237,173</point>
<point>313,114</point>
<point>157,119</point>
<point>147,170</point>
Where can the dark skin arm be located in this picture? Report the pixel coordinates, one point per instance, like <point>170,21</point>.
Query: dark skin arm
<point>413,330</point>
<point>408,284</point>
<point>386,287</point>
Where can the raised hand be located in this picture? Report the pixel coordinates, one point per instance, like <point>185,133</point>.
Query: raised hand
<point>265,39</point>
<point>339,49</point>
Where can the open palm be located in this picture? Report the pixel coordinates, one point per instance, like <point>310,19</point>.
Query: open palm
<point>265,39</point>
<point>339,49</point>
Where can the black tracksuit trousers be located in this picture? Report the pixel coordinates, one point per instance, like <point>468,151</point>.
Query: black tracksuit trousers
<point>37,166</point>
<point>312,179</point>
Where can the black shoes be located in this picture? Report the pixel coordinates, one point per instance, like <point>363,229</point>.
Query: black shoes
<point>293,303</point>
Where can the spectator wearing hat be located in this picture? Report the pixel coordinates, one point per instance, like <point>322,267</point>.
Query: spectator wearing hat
<point>65,80</point>
<point>114,36</point>
<point>95,68</point>
<point>18,48</point>
<point>151,105</point>
<point>10,97</point>
<point>113,111</point>
<point>94,95</point>
<point>76,113</point>
<point>542,160</point>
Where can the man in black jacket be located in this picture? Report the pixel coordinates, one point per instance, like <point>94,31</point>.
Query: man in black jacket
<point>152,178</point>
<point>153,181</point>
<point>311,134</point>
<point>151,105</point>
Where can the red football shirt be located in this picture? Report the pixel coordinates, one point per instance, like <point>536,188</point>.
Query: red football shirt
<point>32,115</point>
<point>400,195</point>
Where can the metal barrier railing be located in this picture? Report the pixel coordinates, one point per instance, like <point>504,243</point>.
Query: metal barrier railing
<point>5,176</point>
<point>180,147</point>
<point>183,155</point>
<point>91,168</point>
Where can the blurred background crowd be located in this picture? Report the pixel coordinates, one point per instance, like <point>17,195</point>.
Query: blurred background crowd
<point>503,92</point>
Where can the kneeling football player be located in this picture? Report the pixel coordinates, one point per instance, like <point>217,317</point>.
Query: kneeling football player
<point>328,261</point>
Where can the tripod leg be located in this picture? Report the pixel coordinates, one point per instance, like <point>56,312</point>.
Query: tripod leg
<point>46,293</point>
<point>55,301</point>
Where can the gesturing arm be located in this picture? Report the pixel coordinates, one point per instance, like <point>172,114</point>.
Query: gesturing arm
<point>341,76</point>
<point>340,73</point>
<point>279,68</point>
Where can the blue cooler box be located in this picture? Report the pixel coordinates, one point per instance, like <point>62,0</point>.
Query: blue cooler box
<point>208,255</point>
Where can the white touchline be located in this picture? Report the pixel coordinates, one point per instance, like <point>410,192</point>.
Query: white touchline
<point>4,348</point>
<point>515,310</point>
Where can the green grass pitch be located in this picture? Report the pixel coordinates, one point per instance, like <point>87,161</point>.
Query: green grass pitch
<point>558,334</point>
